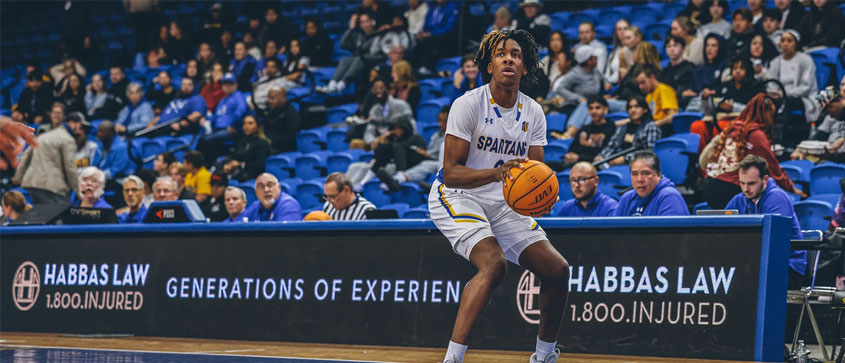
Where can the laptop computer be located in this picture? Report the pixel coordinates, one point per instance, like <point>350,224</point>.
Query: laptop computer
<point>717,212</point>
<point>382,214</point>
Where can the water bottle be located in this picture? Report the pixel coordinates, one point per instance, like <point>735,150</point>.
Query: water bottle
<point>802,354</point>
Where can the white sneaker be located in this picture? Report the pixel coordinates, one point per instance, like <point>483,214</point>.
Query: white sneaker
<point>551,358</point>
<point>332,85</point>
<point>425,71</point>
<point>341,85</point>
<point>452,359</point>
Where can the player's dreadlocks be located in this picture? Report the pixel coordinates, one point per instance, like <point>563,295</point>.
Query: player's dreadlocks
<point>530,59</point>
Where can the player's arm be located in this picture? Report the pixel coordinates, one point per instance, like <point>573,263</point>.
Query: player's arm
<point>457,175</point>
<point>536,153</point>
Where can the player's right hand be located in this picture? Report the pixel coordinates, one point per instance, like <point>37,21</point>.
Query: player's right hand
<point>504,169</point>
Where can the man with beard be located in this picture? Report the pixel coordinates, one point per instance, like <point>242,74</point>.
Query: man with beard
<point>272,78</point>
<point>183,113</point>
<point>273,204</point>
<point>589,201</point>
<point>281,121</point>
<point>386,111</point>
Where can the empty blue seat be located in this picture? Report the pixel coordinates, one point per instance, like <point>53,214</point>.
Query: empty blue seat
<point>701,206</point>
<point>616,116</point>
<point>556,122</point>
<point>559,18</point>
<point>643,15</point>
<point>416,213</point>
<point>449,64</point>
<point>831,198</point>
<point>338,114</point>
<point>280,166</point>
<point>554,152</point>
<point>336,140</point>
<point>432,87</point>
<point>624,171</point>
<point>605,31</point>
<point>565,143</point>
<point>575,19</point>
<point>249,189</point>
<point>674,158</point>
<point>427,130</point>
<point>289,185</point>
<point>309,167</point>
<point>811,214</point>
<point>681,122</point>
<point>308,194</point>
<point>372,191</point>
<point>657,31</point>
<point>310,140</point>
<point>825,66</point>
<point>427,110</point>
<point>608,181</point>
<point>338,162</point>
<point>322,75</point>
<point>825,179</point>
<point>400,208</point>
<point>564,188</point>
<point>410,193</point>
<point>803,165</point>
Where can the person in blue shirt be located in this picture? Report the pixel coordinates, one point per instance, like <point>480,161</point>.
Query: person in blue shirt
<point>273,204</point>
<point>437,34</point>
<point>137,113</point>
<point>653,193</point>
<point>114,161</point>
<point>92,184</point>
<point>133,195</point>
<point>234,199</point>
<point>226,120</point>
<point>184,112</point>
<point>589,201</point>
<point>761,195</point>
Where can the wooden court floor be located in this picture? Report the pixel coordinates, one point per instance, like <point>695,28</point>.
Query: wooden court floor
<point>296,350</point>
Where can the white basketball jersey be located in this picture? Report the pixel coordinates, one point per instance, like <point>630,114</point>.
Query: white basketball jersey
<point>495,134</point>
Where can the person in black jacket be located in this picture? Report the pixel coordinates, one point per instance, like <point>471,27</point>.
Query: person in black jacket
<point>247,162</point>
<point>281,121</point>
<point>317,45</point>
<point>678,73</point>
<point>823,26</point>
<point>35,100</point>
<point>736,92</point>
<point>400,145</point>
<point>214,207</point>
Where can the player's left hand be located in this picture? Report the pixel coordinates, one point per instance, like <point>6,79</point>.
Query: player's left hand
<point>504,170</point>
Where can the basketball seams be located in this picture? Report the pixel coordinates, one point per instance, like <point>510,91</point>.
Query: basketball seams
<point>532,190</point>
<point>507,197</point>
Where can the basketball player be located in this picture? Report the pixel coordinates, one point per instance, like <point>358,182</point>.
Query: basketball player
<point>491,129</point>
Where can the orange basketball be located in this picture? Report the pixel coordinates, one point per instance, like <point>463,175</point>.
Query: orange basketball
<point>534,189</point>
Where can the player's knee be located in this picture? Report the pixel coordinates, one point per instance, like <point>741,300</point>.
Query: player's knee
<point>557,274</point>
<point>495,268</point>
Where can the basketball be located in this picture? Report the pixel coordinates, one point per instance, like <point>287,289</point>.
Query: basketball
<point>533,190</point>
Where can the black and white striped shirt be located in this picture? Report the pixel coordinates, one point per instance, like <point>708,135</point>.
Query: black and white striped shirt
<point>353,212</point>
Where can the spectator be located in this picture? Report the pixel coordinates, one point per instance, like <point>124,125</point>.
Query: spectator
<point>225,49</point>
<point>396,35</point>
<point>253,148</point>
<point>214,207</point>
<point>243,67</point>
<point>761,195</point>
<point>184,111</point>
<point>57,115</point>
<point>796,71</point>
<point>148,176</point>
<point>137,113</point>
<point>161,92</point>
<point>385,69</point>
<point>761,51</point>
<point>178,172</point>
<point>198,179</point>
<point>92,182</point>
<point>157,56</point>
<point>281,121</point>
<point>587,36</point>
<point>563,64</point>
<point>748,134</point>
<point>212,92</point>
<point>180,48</point>
<point>386,111</point>
<point>742,32</point>
<point>275,28</point>
<point>771,25</point>
<point>296,63</point>
<point>273,204</point>
<point>192,71</point>
<point>74,94</point>
<point>224,123</point>
<point>611,71</point>
<point>48,172</point>
<point>214,22</point>
<point>831,129</point>
<point>34,101</point>
<point>755,7</point>
<point>271,50</point>
<point>717,25</point>
<point>143,17</point>
<point>678,73</point>
<point>791,13</point>
<point>114,159</point>
<point>91,54</point>
<point>707,75</point>
<point>342,203</point>
<point>581,82</point>
<point>165,189</point>
<point>631,40</point>
<point>133,194</point>
<point>660,97</point>
<point>405,85</point>
<point>398,145</point>
<point>87,151</point>
<point>162,162</point>
<point>317,45</point>
<point>589,201</point>
<point>251,48</point>
<point>433,157</point>
<point>556,45</point>
<point>533,20</point>
<point>382,14</point>
<point>735,93</point>
<point>684,28</point>
<point>360,39</point>
<point>823,26</point>
<point>638,132</point>
<point>592,137</point>
<point>697,12</point>
<point>95,96</point>
<point>467,77</point>
<point>441,23</point>
<point>61,73</point>
<point>235,201</point>
<point>119,82</point>
<point>416,15</point>
<point>13,205</point>
<point>502,20</point>
<point>653,194</point>
<point>272,78</point>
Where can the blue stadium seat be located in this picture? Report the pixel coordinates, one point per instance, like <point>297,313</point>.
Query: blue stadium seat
<point>558,205</point>
<point>427,110</point>
<point>336,140</point>
<point>616,116</point>
<point>605,31</point>
<point>811,214</point>
<point>428,129</point>
<point>310,140</point>
<point>565,143</point>
<point>554,152</point>
<point>794,173</point>
<point>559,18</point>
<point>309,167</point>
<point>308,194</point>
<point>416,213</point>
<point>432,87</point>
<point>827,64</point>
<point>575,19</point>
<point>25,194</point>
<point>372,191</point>
<point>608,181</point>
<point>338,162</point>
<point>448,64</point>
<point>623,170</point>
<point>280,166</point>
<point>564,188</point>
<point>556,122</point>
<point>803,165</point>
<point>825,179</point>
<point>249,189</point>
<point>657,31</point>
<point>323,74</point>
<point>610,16</point>
<point>831,198</point>
<point>643,15</point>
<point>675,157</point>
<point>410,193</point>
<point>701,206</point>
<point>400,208</point>
<point>289,185</point>
<point>338,114</point>
<point>681,122</point>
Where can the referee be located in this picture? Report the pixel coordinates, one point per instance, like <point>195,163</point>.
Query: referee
<point>343,204</point>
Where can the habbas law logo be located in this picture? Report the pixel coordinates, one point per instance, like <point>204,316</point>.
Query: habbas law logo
<point>25,286</point>
<point>528,297</point>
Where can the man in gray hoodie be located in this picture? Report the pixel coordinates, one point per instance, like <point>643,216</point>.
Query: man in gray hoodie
<point>578,84</point>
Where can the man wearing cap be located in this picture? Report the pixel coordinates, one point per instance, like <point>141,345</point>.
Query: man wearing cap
<point>576,85</point>
<point>214,207</point>
<point>184,111</point>
<point>532,19</point>
<point>48,172</point>
<point>225,123</point>
<point>587,36</point>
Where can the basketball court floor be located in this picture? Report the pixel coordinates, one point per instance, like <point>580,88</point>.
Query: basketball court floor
<point>26,348</point>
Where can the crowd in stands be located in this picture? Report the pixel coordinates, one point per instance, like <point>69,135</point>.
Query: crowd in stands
<point>229,94</point>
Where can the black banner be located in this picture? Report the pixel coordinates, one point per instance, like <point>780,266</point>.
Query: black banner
<point>673,292</point>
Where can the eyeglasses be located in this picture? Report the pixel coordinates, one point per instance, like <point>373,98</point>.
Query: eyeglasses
<point>581,180</point>
<point>131,190</point>
<point>269,185</point>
